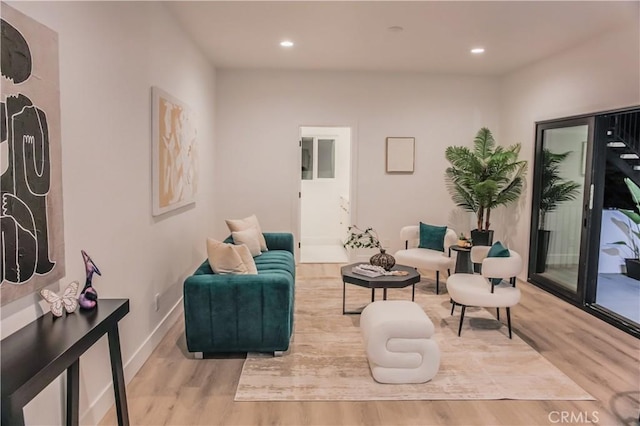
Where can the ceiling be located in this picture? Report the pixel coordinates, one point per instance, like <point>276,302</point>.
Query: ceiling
<point>436,36</point>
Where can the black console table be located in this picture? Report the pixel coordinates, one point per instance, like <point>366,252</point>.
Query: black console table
<point>35,355</point>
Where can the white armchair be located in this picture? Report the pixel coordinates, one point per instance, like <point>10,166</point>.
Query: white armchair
<point>478,290</point>
<point>423,258</point>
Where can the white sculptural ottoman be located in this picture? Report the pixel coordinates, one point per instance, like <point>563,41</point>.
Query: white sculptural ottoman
<point>397,338</point>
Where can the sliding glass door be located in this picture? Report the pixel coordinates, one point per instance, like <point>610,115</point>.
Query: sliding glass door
<point>585,225</point>
<point>614,276</point>
<point>561,206</point>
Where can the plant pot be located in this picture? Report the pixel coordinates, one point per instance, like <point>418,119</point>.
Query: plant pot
<point>383,259</point>
<point>544,237</point>
<point>633,268</point>
<point>482,238</point>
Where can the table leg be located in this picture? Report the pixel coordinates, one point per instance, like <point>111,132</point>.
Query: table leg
<point>344,307</point>
<point>413,293</point>
<point>73,393</point>
<point>118,376</point>
<point>344,294</point>
<point>384,293</point>
<point>463,263</point>
<point>373,295</point>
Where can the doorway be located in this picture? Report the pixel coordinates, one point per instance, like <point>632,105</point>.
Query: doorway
<point>325,193</point>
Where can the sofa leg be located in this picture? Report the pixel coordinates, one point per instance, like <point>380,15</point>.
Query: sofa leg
<point>498,314</point>
<point>437,282</point>
<point>278,353</point>
<point>509,321</point>
<point>461,318</point>
<point>198,355</point>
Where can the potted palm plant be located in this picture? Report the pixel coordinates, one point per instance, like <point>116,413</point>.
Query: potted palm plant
<point>483,178</point>
<point>633,263</point>
<point>555,190</point>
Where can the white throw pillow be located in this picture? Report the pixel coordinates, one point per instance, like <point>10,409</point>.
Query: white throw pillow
<point>249,237</point>
<point>247,259</point>
<point>236,225</point>
<point>224,258</point>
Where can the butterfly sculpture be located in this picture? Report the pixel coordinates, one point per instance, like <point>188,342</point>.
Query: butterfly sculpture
<point>66,302</point>
<point>89,296</point>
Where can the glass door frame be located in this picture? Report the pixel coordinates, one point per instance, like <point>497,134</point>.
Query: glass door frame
<point>539,280</point>
<point>593,202</point>
<point>599,164</point>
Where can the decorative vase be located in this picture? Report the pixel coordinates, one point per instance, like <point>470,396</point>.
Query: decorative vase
<point>383,259</point>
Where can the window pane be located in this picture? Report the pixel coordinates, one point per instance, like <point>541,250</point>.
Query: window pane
<point>619,262</point>
<point>307,158</point>
<point>560,222</point>
<point>326,158</point>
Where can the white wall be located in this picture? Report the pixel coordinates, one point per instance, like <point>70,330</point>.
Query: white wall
<point>598,75</point>
<point>320,202</point>
<point>259,114</point>
<point>268,106</point>
<point>111,53</point>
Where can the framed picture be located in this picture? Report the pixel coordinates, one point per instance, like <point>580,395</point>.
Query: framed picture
<point>400,155</point>
<point>175,153</point>
<point>31,214</point>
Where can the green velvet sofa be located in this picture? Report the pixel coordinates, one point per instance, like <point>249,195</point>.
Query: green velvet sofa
<point>243,313</point>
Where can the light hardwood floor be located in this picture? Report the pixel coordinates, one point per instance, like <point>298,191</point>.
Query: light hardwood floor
<point>174,389</point>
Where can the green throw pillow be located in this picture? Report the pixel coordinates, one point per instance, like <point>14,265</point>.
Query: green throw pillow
<point>432,237</point>
<point>498,250</point>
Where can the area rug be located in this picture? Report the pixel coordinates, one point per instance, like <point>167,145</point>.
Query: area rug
<point>326,360</point>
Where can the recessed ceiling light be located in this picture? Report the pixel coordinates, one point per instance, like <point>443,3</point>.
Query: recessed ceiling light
<point>396,29</point>
<point>286,43</point>
<point>629,156</point>
<point>616,144</point>
<point>477,50</point>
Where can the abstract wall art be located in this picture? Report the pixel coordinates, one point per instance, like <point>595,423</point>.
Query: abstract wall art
<point>31,217</point>
<point>175,153</point>
<point>400,155</point>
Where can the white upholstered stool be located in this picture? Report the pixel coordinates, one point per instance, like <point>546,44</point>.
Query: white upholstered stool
<point>397,337</point>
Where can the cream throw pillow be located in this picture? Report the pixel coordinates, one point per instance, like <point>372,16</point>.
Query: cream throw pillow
<point>247,259</point>
<point>236,225</point>
<point>250,238</point>
<point>229,258</point>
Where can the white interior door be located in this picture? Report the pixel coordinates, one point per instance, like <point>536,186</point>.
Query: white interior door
<point>325,160</point>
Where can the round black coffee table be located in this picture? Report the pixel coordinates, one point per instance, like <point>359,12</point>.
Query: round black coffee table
<point>384,282</point>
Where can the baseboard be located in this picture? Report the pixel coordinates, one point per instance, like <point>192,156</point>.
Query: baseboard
<point>99,407</point>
